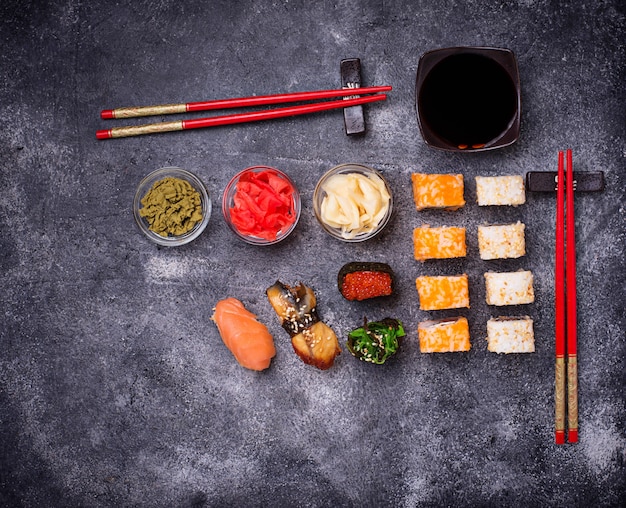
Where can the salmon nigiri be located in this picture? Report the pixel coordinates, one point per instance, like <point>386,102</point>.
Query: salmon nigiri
<point>248,340</point>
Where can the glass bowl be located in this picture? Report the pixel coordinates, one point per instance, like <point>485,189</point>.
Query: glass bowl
<point>172,240</point>
<point>344,233</point>
<point>259,227</point>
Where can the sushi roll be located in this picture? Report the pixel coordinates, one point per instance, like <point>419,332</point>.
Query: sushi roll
<point>510,335</point>
<point>312,340</point>
<point>443,292</point>
<point>501,242</point>
<point>437,191</point>
<point>509,288</point>
<point>438,243</point>
<point>361,281</point>
<point>247,339</point>
<point>448,335</point>
<point>500,190</point>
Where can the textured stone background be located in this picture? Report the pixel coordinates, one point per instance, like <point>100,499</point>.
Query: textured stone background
<point>115,388</point>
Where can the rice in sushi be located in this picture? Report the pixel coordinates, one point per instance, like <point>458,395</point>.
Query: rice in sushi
<point>509,288</point>
<point>510,335</point>
<point>502,241</point>
<point>500,190</point>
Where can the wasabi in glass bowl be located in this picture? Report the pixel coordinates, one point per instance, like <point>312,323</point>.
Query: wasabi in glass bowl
<point>172,206</point>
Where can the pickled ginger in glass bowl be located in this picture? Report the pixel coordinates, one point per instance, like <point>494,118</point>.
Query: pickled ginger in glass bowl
<point>352,202</point>
<point>261,205</point>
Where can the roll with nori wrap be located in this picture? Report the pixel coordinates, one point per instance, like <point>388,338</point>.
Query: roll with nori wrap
<point>363,280</point>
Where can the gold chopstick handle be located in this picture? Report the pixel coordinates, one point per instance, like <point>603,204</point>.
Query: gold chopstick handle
<point>572,399</point>
<point>134,112</point>
<point>559,398</point>
<point>138,130</point>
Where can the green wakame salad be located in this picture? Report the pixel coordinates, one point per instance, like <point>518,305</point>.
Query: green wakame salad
<point>376,341</point>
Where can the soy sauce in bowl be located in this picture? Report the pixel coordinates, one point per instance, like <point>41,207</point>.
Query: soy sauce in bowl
<point>468,98</point>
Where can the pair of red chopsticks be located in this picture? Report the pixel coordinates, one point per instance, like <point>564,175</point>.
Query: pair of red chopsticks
<point>352,97</point>
<point>565,305</point>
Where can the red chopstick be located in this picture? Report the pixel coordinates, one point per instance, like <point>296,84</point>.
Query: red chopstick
<point>565,304</point>
<point>262,100</point>
<point>253,116</point>
<point>572,359</point>
<point>559,299</point>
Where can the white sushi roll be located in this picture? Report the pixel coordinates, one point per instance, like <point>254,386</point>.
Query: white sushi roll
<point>500,190</point>
<point>509,288</point>
<point>504,241</point>
<point>510,335</point>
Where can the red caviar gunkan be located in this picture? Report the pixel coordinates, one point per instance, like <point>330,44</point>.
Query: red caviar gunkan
<point>367,284</point>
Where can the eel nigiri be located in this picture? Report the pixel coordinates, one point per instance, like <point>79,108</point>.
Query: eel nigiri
<point>248,340</point>
<point>312,340</point>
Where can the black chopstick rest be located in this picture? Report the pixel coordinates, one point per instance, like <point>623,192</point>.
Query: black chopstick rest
<point>584,181</point>
<point>353,117</point>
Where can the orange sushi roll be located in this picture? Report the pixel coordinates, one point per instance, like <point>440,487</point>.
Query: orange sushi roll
<point>448,335</point>
<point>437,191</point>
<point>439,243</point>
<point>248,340</point>
<point>443,292</point>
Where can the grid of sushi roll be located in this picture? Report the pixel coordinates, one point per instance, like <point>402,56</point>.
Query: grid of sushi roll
<point>503,241</point>
<point>439,243</point>
<point>509,288</point>
<point>443,292</point>
<point>510,335</point>
<point>447,335</point>
<point>500,190</point>
<point>438,191</point>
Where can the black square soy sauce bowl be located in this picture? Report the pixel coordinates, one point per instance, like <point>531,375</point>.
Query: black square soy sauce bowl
<point>468,98</point>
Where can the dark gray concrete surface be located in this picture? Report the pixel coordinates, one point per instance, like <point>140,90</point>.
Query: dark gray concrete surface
<point>115,388</point>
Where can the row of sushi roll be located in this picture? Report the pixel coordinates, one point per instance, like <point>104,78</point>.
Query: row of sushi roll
<point>499,241</point>
<point>446,191</point>
<point>505,334</point>
<point>441,292</point>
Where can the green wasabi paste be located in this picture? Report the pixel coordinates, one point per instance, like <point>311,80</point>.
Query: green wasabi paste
<point>171,207</point>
